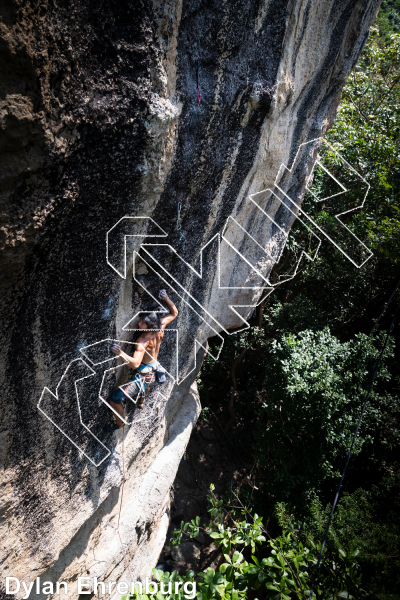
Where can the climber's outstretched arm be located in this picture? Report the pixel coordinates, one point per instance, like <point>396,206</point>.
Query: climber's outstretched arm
<point>173,311</point>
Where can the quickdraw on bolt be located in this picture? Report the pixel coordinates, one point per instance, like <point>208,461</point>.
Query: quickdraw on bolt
<point>109,524</point>
<point>197,78</point>
<point>178,221</point>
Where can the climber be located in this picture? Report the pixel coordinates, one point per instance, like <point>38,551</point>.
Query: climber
<point>144,359</point>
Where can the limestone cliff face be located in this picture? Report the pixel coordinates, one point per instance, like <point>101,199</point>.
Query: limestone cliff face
<point>100,120</point>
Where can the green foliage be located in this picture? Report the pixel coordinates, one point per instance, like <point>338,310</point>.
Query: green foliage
<point>370,518</point>
<point>365,519</point>
<point>389,19</point>
<point>304,393</point>
<point>309,404</point>
<point>366,133</point>
<point>191,528</point>
<point>243,533</point>
<point>277,569</point>
<point>173,582</point>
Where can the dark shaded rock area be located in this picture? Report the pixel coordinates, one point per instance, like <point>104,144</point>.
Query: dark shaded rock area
<point>210,457</point>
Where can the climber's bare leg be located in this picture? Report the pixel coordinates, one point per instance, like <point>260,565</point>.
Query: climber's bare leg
<point>120,410</point>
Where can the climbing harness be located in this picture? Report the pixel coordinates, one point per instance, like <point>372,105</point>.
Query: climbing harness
<point>178,221</point>
<point>197,78</point>
<point>356,432</point>
<point>139,382</point>
<point>142,379</point>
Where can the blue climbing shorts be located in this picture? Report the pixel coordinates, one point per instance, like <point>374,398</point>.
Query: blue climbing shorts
<point>118,396</point>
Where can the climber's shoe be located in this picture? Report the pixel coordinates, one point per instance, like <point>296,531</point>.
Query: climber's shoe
<point>109,427</point>
<point>140,402</point>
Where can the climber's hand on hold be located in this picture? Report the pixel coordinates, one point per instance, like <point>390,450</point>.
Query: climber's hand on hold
<point>116,349</point>
<point>173,311</point>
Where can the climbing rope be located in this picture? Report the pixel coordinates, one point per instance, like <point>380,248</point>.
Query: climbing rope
<point>356,431</point>
<point>120,505</point>
<point>122,495</point>
<point>384,308</point>
<point>197,78</point>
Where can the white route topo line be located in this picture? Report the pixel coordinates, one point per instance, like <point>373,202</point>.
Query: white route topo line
<point>144,221</point>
